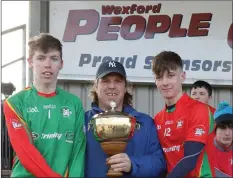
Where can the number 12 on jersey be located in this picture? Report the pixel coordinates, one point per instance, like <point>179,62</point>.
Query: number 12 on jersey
<point>167,132</point>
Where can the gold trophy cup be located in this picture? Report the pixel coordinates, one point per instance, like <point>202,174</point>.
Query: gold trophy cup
<point>113,129</point>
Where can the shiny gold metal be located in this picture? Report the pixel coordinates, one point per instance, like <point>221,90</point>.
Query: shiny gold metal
<point>113,129</point>
<point>112,125</point>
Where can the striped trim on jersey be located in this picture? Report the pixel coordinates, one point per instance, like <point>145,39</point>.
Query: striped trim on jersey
<point>21,121</point>
<point>205,169</point>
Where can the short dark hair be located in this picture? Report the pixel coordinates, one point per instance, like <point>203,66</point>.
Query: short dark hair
<point>44,42</point>
<point>202,84</point>
<point>224,125</point>
<point>166,61</point>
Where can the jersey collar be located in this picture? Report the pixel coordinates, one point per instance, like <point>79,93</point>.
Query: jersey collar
<point>44,94</point>
<point>181,102</point>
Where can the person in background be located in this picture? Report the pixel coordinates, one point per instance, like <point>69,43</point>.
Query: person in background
<point>219,146</point>
<point>45,123</point>
<point>202,91</point>
<point>184,124</point>
<point>143,156</point>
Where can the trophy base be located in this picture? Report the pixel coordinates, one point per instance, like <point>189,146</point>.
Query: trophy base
<point>112,148</point>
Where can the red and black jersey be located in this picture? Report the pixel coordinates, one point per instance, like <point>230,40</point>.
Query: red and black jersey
<point>190,120</point>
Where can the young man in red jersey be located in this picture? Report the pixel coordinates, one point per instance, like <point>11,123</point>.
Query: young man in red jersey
<point>184,124</point>
<point>219,146</point>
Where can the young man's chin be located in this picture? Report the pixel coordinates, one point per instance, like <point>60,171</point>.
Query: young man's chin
<point>48,81</point>
<point>168,96</point>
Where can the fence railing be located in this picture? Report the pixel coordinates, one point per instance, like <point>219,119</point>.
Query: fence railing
<point>6,148</point>
<point>23,57</point>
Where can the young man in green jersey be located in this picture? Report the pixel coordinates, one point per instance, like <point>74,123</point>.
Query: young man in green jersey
<point>45,123</point>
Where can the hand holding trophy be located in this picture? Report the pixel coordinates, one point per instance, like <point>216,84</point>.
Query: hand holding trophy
<point>113,129</point>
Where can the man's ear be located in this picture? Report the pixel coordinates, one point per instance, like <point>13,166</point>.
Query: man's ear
<point>183,76</point>
<point>30,62</point>
<point>62,64</point>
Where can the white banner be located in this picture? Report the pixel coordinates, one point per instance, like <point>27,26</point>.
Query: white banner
<point>132,32</point>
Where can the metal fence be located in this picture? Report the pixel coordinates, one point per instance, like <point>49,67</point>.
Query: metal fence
<point>6,149</point>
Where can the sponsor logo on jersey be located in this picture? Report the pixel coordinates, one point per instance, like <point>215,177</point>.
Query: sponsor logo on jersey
<point>51,136</point>
<point>179,124</point>
<point>231,161</point>
<point>172,149</point>
<point>32,109</point>
<point>158,127</point>
<point>65,111</point>
<point>16,124</point>
<point>168,122</point>
<point>35,135</point>
<point>69,137</point>
<point>49,106</point>
<point>199,132</point>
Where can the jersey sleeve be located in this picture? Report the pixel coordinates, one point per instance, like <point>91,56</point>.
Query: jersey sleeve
<point>77,162</point>
<point>198,124</point>
<point>21,141</point>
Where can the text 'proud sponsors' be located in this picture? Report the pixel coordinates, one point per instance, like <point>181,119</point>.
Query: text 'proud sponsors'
<point>130,63</point>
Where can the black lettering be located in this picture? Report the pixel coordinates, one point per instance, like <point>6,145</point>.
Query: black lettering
<point>106,59</point>
<point>148,64</point>
<point>206,65</point>
<point>84,59</point>
<point>196,65</point>
<point>216,65</point>
<point>96,60</point>
<point>131,62</point>
<point>186,64</point>
<point>227,66</point>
